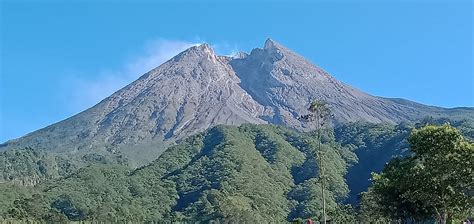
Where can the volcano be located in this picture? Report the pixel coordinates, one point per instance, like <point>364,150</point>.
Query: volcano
<point>198,89</point>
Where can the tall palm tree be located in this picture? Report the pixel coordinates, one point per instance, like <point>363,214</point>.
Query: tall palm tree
<point>320,114</point>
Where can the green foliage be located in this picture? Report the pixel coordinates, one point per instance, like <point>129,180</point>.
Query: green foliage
<point>443,172</point>
<point>344,214</point>
<point>371,208</point>
<point>10,193</point>
<point>435,181</point>
<point>374,145</point>
<point>251,173</point>
<point>465,126</point>
<point>29,167</point>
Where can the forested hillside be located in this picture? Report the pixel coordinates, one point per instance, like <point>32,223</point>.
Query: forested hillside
<point>251,172</point>
<point>434,182</point>
<point>29,167</point>
<point>376,144</point>
<point>248,173</point>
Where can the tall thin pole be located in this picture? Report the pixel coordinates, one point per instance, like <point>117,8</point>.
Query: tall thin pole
<point>321,168</point>
<point>318,111</point>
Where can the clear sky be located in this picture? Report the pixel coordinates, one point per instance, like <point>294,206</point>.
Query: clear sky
<point>58,59</point>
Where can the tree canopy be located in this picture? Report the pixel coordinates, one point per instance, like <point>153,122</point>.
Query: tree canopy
<point>436,180</point>
<point>252,173</point>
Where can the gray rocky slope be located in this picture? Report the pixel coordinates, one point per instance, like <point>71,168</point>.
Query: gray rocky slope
<point>198,89</point>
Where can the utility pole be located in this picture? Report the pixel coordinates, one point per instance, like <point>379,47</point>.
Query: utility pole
<point>320,113</point>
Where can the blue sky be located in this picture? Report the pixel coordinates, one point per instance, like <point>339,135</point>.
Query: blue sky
<point>58,59</point>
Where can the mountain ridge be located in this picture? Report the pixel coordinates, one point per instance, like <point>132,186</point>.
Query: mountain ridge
<point>198,89</point>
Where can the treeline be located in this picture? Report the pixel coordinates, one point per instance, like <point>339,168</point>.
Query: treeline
<point>251,173</point>
<point>377,144</point>
<point>436,181</point>
<point>29,167</point>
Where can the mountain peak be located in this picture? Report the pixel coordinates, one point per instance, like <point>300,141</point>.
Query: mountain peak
<point>271,44</point>
<point>197,52</point>
<point>275,50</point>
<point>204,47</point>
<point>198,89</point>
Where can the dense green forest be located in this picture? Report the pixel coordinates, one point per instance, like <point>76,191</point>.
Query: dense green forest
<point>436,181</point>
<point>376,144</point>
<point>29,167</point>
<point>251,173</point>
